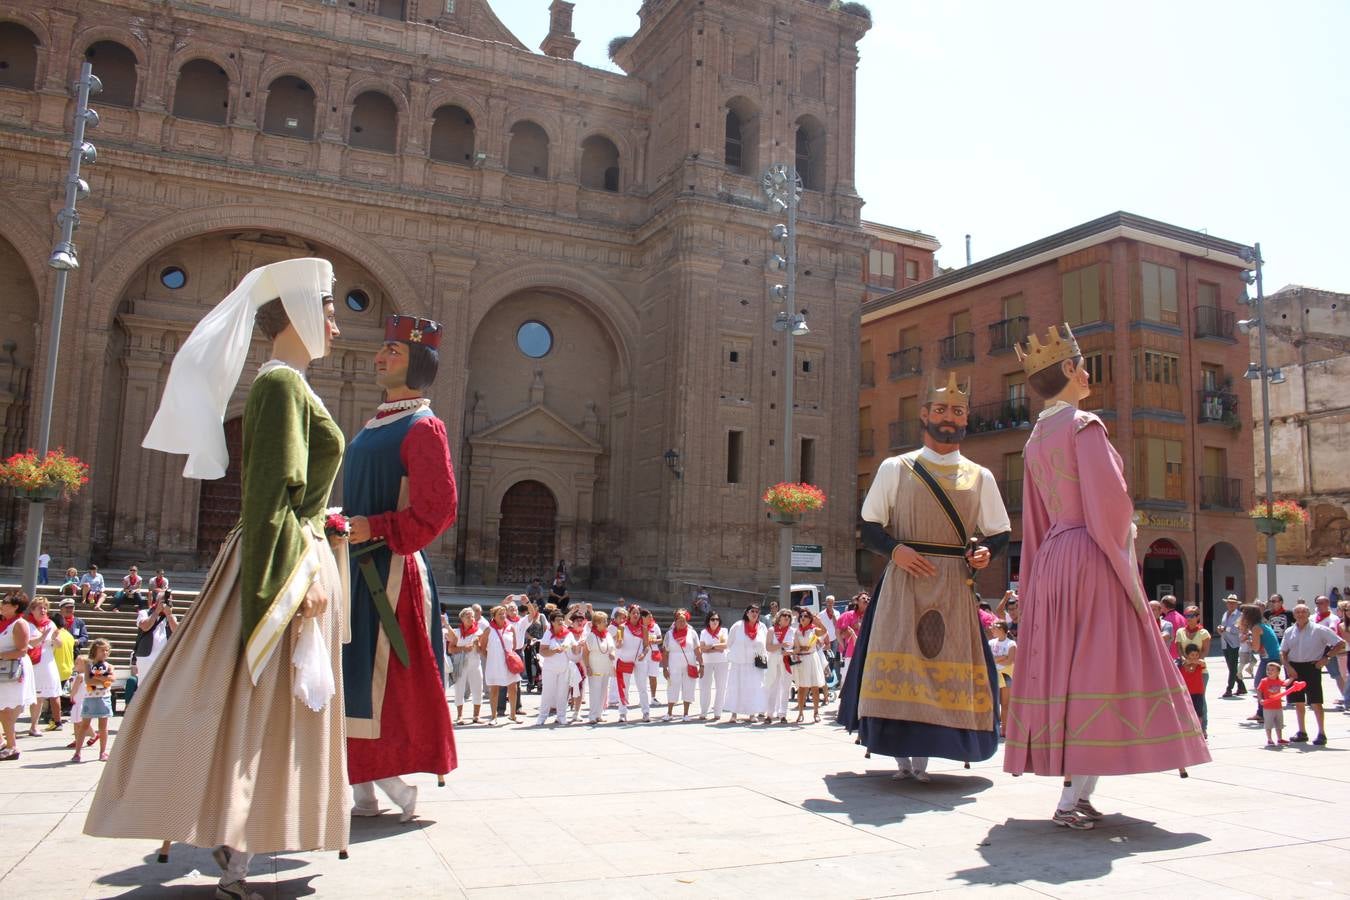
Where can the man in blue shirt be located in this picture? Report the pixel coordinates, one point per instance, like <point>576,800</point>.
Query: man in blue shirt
<point>91,587</point>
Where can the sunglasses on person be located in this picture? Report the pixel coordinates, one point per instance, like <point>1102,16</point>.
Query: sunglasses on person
<point>715,619</point>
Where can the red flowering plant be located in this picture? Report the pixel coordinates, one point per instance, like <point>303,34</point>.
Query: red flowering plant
<point>789,498</point>
<point>335,524</point>
<point>56,471</point>
<point>1286,511</point>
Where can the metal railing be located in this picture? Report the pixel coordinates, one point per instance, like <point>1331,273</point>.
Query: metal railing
<point>1210,321</point>
<point>1220,492</point>
<point>905,362</point>
<point>957,348</point>
<point>988,418</point>
<point>1003,335</point>
<point>905,435</point>
<point>1216,406</point>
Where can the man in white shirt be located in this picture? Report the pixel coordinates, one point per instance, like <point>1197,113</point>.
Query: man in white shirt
<point>1304,650</point>
<point>44,562</point>
<point>828,617</point>
<point>1323,614</point>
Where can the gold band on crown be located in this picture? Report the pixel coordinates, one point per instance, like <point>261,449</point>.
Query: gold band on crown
<point>949,394</point>
<point>1054,351</point>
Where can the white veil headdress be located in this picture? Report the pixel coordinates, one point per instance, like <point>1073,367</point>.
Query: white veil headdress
<point>207,367</point>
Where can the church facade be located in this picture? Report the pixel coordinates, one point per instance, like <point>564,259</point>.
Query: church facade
<point>597,245</point>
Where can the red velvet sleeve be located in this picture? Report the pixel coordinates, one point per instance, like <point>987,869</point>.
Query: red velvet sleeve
<point>433,499</point>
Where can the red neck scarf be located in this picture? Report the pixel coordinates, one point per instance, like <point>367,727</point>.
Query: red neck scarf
<point>559,635</point>
<point>494,624</point>
<point>600,633</point>
<point>780,633</point>
<point>636,627</point>
<point>465,631</point>
<point>680,631</point>
<point>515,618</point>
<point>40,623</point>
<point>579,630</point>
<point>752,629</point>
<point>715,630</point>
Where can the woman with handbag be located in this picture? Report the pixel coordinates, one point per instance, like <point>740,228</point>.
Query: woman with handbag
<point>681,664</point>
<point>46,677</point>
<point>778,677</point>
<point>655,657</point>
<point>16,669</point>
<point>749,660</point>
<point>809,673</point>
<point>712,642</point>
<point>504,664</point>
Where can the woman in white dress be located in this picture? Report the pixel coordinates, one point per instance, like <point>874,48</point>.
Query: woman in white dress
<point>652,665</point>
<point>46,677</point>
<point>16,670</point>
<point>749,660</point>
<point>462,644</point>
<point>778,677</point>
<point>681,664</point>
<point>599,663</point>
<point>493,643</point>
<point>712,642</point>
<point>809,672</point>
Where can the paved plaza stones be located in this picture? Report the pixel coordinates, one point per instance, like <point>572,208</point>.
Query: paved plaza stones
<point>698,810</point>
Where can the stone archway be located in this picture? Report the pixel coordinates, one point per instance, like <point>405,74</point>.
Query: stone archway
<point>1165,571</point>
<point>18,348</point>
<point>182,522</point>
<point>527,533</point>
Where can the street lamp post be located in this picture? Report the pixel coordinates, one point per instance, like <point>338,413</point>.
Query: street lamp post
<point>1268,376</point>
<point>784,188</point>
<point>63,259</point>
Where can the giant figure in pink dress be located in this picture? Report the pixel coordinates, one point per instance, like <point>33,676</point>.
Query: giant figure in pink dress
<point>1095,693</point>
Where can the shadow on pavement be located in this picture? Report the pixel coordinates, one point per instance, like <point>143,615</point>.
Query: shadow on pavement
<point>373,828</point>
<point>1038,850</point>
<point>875,798</point>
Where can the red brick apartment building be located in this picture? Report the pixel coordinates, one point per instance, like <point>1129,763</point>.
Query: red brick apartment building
<point>1154,309</point>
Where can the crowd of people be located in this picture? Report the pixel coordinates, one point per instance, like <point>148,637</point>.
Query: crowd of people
<point>584,662</point>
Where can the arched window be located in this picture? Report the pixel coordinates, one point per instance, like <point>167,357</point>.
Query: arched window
<point>203,92</point>
<point>599,164</point>
<point>811,153</point>
<point>18,56</point>
<point>115,66</point>
<point>528,153</point>
<point>742,136</point>
<point>374,123</point>
<point>290,108</point>
<point>452,136</point>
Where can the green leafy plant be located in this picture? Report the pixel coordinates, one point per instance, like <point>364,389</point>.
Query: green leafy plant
<point>26,472</point>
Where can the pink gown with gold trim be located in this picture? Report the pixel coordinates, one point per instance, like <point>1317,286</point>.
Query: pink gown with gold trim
<point>1095,691</point>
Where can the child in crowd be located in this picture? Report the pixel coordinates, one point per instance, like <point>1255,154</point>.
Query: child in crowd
<point>1004,650</point>
<point>97,706</point>
<point>1271,691</point>
<point>1193,673</point>
<point>79,689</point>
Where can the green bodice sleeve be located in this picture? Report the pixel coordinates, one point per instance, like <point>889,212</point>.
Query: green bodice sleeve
<point>277,561</point>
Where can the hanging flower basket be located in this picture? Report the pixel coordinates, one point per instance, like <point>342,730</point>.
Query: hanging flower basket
<point>40,480</point>
<point>788,500</point>
<point>1277,517</point>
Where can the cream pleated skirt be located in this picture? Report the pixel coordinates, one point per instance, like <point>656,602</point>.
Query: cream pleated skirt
<point>205,757</point>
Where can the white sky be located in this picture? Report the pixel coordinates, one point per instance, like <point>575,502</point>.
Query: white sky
<point>1012,121</point>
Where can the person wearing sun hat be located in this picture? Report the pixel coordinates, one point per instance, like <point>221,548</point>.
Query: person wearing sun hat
<point>1230,635</point>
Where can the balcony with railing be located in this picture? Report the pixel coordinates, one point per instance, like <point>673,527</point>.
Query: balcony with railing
<point>1212,322</point>
<point>1004,335</point>
<point>867,376</point>
<point>958,348</point>
<point>1220,492</point>
<point>1006,415</point>
<point>1217,406</point>
<point>906,435</point>
<point>1012,494</point>
<point>905,363</point>
<point>865,444</point>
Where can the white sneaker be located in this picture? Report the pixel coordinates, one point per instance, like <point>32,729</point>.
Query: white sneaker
<point>922,776</point>
<point>902,775</point>
<point>358,811</point>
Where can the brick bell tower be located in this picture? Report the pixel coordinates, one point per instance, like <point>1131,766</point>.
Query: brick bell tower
<point>734,86</point>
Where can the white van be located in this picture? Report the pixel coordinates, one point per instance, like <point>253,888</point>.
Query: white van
<point>807,596</point>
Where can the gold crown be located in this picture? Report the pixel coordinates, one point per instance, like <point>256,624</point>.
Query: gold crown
<point>1054,351</point>
<point>950,394</point>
